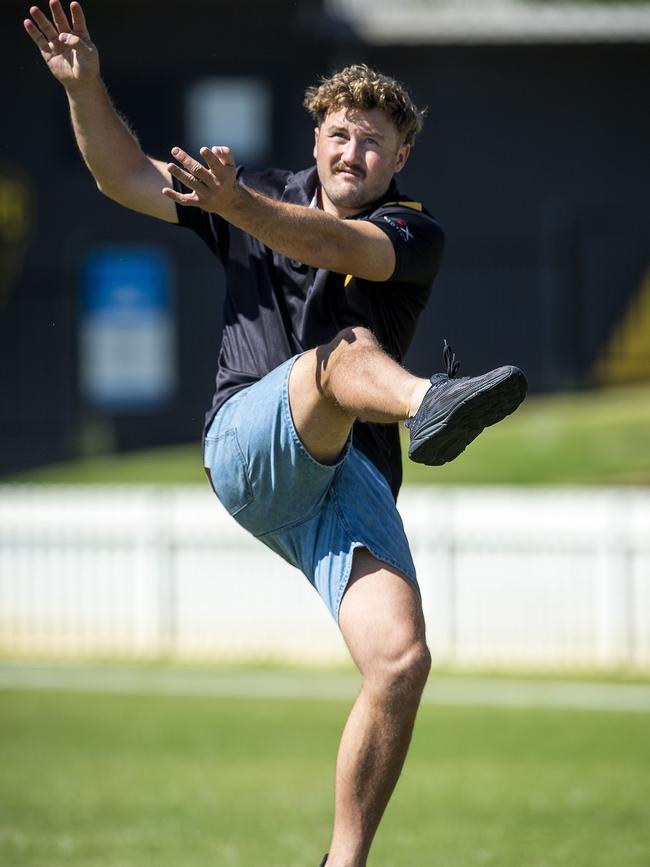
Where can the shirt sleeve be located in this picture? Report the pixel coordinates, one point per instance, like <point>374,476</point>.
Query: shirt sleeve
<point>211,228</point>
<point>417,239</point>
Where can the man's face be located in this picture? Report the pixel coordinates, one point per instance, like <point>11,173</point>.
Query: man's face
<point>357,153</point>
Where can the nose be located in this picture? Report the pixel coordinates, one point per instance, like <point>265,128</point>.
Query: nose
<point>351,152</point>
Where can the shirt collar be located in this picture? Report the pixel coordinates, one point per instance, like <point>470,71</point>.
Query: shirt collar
<point>302,189</point>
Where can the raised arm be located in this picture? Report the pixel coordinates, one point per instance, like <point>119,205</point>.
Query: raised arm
<point>109,148</point>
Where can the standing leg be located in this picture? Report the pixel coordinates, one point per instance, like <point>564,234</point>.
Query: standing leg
<point>380,616</point>
<point>382,623</point>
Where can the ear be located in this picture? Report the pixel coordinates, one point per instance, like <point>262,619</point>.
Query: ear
<point>316,137</point>
<point>402,156</point>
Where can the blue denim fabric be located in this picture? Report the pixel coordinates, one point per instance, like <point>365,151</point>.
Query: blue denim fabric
<point>311,514</point>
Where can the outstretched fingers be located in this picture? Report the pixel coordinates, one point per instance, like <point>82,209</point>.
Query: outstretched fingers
<point>59,17</point>
<point>190,172</point>
<point>78,18</point>
<point>218,158</point>
<point>188,180</point>
<point>207,182</point>
<point>68,51</point>
<point>189,177</point>
<point>37,37</point>
<point>189,200</point>
<point>46,32</point>
<point>44,25</point>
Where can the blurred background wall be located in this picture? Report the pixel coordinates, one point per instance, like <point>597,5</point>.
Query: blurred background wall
<point>534,159</point>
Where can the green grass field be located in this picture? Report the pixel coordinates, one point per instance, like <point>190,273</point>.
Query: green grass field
<point>589,438</point>
<point>92,780</point>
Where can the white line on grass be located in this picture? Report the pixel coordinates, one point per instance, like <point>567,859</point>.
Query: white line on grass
<point>316,684</point>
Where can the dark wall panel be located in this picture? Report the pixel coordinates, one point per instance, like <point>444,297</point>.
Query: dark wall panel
<point>533,158</point>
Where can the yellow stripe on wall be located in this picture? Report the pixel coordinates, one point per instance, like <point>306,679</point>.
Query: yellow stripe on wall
<point>626,358</point>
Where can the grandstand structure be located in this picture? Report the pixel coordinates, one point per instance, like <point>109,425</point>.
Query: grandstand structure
<point>494,21</point>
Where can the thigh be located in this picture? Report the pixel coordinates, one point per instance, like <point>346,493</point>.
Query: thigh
<point>323,427</point>
<point>259,468</point>
<point>380,615</point>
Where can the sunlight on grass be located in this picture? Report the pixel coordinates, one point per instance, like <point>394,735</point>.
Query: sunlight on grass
<point>95,780</point>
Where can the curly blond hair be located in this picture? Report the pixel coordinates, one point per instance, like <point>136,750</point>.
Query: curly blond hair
<point>359,86</point>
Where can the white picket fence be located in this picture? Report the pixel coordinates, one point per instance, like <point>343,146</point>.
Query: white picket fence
<point>509,577</point>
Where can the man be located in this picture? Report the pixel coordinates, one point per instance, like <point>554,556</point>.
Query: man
<point>327,272</point>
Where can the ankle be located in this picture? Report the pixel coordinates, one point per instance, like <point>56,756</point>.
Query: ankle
<point>348,852</point>
<point>417,396</point>
<point>341,860</point>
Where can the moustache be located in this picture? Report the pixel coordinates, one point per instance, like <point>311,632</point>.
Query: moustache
<point>342,167</point>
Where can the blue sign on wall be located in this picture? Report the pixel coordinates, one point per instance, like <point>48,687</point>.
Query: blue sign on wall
<point>128,351</point>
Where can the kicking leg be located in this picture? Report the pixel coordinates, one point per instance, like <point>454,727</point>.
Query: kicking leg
<point>349,378</point>
<point>382,623</point>
<point>352,377</point>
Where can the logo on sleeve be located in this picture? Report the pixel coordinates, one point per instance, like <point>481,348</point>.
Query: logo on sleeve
<point>401,226</point>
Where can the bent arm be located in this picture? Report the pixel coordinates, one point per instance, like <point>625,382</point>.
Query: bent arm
<point>121,170</point>
<point>307,235</point>
<point>314,237</point>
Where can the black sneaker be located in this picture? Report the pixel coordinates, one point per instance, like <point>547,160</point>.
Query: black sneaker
<point>456,409</point>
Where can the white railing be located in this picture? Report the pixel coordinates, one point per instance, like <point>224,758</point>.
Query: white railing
<point>509,577</point>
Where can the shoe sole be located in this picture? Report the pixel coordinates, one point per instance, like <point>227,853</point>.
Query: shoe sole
<point>444,438</point>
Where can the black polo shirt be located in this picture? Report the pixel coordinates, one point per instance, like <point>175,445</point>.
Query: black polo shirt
<point>276,307</point>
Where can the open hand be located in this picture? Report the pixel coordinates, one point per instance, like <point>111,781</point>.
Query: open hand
<point>67,49</point>
<point>214,185</point>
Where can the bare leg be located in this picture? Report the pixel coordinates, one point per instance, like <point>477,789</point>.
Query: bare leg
<point>349,378</point>
<point>329,388</point>
<point>387,642</point>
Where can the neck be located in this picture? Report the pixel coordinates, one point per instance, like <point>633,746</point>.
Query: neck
<point>327,205</point>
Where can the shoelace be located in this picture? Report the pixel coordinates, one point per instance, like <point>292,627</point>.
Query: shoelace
<point>449,358</point>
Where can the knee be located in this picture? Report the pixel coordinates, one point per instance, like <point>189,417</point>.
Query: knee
<point>404,676</point>
<point>354,337</point>
<point>340,352</point>
<point>350,340</point>
<point>414,666</point>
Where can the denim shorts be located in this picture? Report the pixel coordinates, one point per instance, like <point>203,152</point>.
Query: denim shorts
<point>311,514</point>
